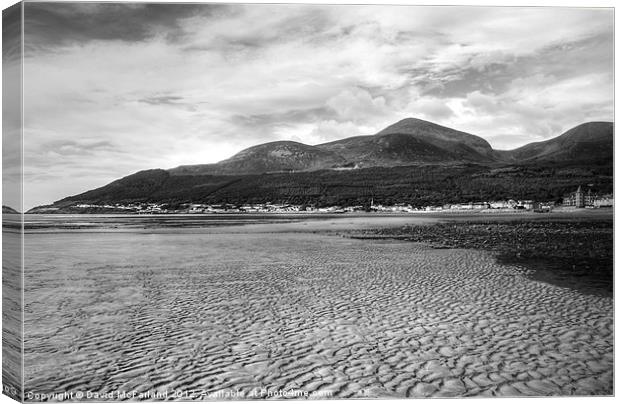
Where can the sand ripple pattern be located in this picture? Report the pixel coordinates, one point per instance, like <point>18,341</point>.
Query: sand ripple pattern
<point>355,318</point>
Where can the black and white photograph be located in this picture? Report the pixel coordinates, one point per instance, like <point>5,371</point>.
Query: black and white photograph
<point>248,201</point>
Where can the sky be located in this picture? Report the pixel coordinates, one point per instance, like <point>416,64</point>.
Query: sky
<point>114,88</point>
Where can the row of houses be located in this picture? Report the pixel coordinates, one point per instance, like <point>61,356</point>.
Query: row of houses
<point>577,199</point>
<point>509,204</point>
<point>132,207</point>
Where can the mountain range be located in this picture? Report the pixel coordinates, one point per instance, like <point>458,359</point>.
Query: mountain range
<point>410,141</point>
<point>407,142</point>
<point>351,169</point>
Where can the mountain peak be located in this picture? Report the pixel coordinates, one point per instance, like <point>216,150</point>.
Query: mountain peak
<point>409,125</point>
<point>587,142</point>
<point>413,121</point>
<point>438,135</point>
<point>590,131</point>
<point>278,156</point>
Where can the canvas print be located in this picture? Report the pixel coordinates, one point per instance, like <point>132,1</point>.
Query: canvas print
<point>211,201</point>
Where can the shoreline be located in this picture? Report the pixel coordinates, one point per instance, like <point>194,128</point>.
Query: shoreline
<point>44,223</point>
<point>575,253</point>
<point>560,210</point>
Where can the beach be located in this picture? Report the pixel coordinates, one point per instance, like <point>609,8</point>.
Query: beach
<point>256,310</point>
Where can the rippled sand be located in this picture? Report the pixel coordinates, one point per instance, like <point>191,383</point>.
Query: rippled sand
<point>234,311</point>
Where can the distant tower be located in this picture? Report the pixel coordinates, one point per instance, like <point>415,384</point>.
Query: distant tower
<point>580,198</point>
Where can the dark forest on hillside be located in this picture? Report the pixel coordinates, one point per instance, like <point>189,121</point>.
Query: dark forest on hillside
<point>416,185</point>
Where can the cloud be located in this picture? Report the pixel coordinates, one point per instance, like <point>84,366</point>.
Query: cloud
<point>329,130</point>
<point>356,105</point>
<point>68,147</point>
<point>162,100</point>
<point>433,109</point>
<point>483,103</point>
<point>64,24</point>
<point>114,88</point>
<point>11,34</point>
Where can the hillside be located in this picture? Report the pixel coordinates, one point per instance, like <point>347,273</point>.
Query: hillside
<point>8,209</point>
<point>410,141</point>
<point>588,142</point>
<point>269,157</point>
<point>412,161</point>
<point>417,185</point>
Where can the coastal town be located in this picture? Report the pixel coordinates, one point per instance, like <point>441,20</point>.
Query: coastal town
<point>575,200</point>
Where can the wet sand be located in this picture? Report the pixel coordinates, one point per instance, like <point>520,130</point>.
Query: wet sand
<point>575,252</point>
<point>247,308</point>
<point>11,312</point>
